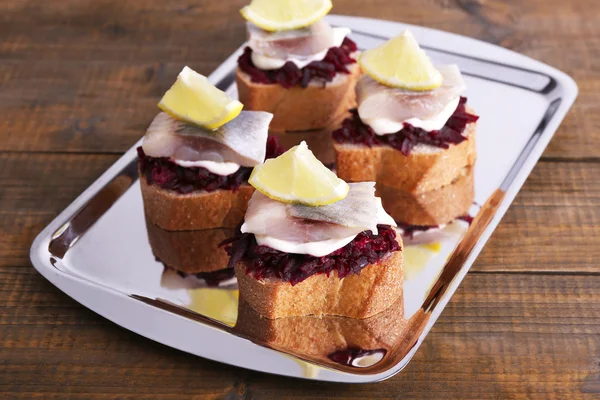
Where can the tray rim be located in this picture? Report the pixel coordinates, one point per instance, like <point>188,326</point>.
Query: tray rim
<point>566,90</point>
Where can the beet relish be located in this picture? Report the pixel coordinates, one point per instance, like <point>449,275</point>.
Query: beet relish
<point>163,172</point>
<point>264,262</point>
<point>354,131</point>
<point>335,61</point>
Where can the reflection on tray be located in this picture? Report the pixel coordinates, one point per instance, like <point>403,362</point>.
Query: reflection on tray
<point>218,304</point>
<point>189,251</point>
<point>420,249</point>
<point>173,279</point>
<point>358,345</point>
<point>217,301</point>
<point>328,340</point>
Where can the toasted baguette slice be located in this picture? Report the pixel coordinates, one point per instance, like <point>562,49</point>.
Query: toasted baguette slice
<point>377,287</point>
<point>297,108</point>
<point>425,169</point>
<point>199,210</point>
<point>435,207</point>
<point>191,252</point>
<point>319,337</point>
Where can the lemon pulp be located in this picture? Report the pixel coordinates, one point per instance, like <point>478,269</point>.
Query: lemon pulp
<point>279,15</point>
<point>400,62</point>
<point>297,176</point>
<point>193,99</point>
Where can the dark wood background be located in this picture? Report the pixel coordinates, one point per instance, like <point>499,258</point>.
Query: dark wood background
<point>79,83</point>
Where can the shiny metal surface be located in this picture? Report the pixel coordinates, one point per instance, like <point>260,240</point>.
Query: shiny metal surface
<point>97,249</point>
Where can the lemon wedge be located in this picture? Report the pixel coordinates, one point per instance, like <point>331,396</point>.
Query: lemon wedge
<point>298,177</point>
<point>401,63</point>
<point>193,99</point>
<point>281,15</point>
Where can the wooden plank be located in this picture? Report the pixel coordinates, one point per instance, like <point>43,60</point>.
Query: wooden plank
<point>554,221</point>
<point>552,225</point>
<point>35,188</point>
<point>100,66</point>
<point>545,29</point>
<point>502,336</point>
<point>557,239</point>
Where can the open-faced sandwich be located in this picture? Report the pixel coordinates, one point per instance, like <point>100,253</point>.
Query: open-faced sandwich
<point>412,133</point>
<point>311,244</point>
<point>194,164</point>
<point>296,65</point>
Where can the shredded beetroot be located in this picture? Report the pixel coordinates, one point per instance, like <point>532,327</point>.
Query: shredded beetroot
<point>336,60</point>
<point>265,262</point>
<point>163,172</point>
<point>354,131</point>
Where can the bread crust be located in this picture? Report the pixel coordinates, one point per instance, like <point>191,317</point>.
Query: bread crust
<point>425,169</point>
<point>198,210</point>
<point>297,108</point>
<point>377,287</point>
<point>190,252</point>
<point>435,207</point>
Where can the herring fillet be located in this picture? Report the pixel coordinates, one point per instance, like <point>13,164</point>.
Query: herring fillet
<point>357,210</point>
<point>376,100</point>
<point>304,224</point>
<point>299,43</point>
<point>269,217</point>
<point>241,140</point>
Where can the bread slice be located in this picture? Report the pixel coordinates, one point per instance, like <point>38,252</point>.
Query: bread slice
<point>377,287</point>
<point>435,207</point>
<point>198,210</point>
<point>319,337</point>
<point>191,252</point>
<point>297,108</point>
<point>425,169</point>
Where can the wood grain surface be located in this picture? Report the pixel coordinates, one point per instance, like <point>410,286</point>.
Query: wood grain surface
<point>79,82</point>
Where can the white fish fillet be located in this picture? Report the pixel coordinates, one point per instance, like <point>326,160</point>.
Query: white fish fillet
<point>357,210</point>
<point>303,224</point>
<point>296,43</point>
<point>241,141</point>
<point>376,100</point>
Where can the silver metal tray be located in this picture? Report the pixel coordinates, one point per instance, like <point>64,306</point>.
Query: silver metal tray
<point>97,251</point>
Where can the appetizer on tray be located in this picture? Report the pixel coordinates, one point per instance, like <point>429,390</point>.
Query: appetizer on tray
<point>296,65</point>
<point>311,244</point>
<point>194,165</point>
<point>412,133</point>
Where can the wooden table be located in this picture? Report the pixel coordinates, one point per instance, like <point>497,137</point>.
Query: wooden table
<point>79,83</point>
